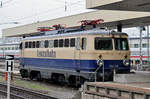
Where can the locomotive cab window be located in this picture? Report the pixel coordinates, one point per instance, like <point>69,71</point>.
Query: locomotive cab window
<point>121,44</point>
<point>103,43</point>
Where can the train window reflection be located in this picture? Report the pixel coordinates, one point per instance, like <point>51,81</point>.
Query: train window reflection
<point>121,44</point>
<point>103,43</point>
<point>41,44</point>
<point>51,43</point>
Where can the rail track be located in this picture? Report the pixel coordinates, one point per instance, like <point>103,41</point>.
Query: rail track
<point>22,93</point>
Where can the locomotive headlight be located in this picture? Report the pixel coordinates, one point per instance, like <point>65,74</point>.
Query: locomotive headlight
<point>100,62</point>
<point>126,62</point>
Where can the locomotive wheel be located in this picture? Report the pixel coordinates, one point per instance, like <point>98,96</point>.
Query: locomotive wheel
<point>54,78</point>
<point>61,79</point>
<point>72,81</point>
<point>39,76</point>
<point>31,76</point>
<point>24,73</point>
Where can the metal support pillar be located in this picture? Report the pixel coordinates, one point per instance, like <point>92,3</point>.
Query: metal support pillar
<point>148,45</point>
<point>141,28</point>
<point>119,28</point>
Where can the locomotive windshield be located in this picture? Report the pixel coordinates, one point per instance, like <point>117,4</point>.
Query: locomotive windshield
<point>121,44</point>
<point>103,43</point>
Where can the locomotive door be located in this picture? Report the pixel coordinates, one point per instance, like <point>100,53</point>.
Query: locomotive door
<point>21,48</point>
<point>77,55</point>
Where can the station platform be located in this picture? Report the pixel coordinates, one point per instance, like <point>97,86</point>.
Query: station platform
<point>112,90</point>
<point>136,77</point>
<point>125,86</point>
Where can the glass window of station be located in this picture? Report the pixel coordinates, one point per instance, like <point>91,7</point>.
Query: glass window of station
<point>136,45</point>
<point>144,45</point>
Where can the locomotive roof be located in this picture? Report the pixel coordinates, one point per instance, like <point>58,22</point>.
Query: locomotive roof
<point>84,32</point>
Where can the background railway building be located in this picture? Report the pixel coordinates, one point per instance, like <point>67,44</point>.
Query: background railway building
<point>9,46</point>
<point>134,43</point>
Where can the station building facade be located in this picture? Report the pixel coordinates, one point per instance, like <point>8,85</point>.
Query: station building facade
<point>134,43</point>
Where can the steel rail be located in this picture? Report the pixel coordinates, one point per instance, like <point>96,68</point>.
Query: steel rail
<point>23,93</point>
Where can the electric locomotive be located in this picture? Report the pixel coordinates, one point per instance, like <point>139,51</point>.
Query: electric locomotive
<point>75,55</point>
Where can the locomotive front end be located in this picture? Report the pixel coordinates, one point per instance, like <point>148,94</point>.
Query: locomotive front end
<point>112,55</point>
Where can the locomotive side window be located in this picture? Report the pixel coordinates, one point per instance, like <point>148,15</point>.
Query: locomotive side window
<point>66,43</point>
<point>83,46</point>
<point>61,43</point>
<point>42,44</point>
<point>55,43</point>
<point>26,44</point>
<point>72,42</point>
<point>30,44</point>
<point>51,43</point>
<point>46,44</point>
<point>121,44</point>
<point>33,44</point>
<point>37,44</point>
<point>103,43</point>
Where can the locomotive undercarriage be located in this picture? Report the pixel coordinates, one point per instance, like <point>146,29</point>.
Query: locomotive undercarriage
<point>69,77</point>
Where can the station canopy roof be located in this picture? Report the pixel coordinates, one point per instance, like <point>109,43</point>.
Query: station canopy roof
<point>111,20</point>
<point>128,5</point>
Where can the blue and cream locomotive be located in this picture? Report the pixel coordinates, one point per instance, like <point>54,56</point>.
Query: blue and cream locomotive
<point>75,55</point>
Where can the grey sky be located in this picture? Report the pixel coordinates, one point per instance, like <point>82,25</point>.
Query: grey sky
<point>31,11</point>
